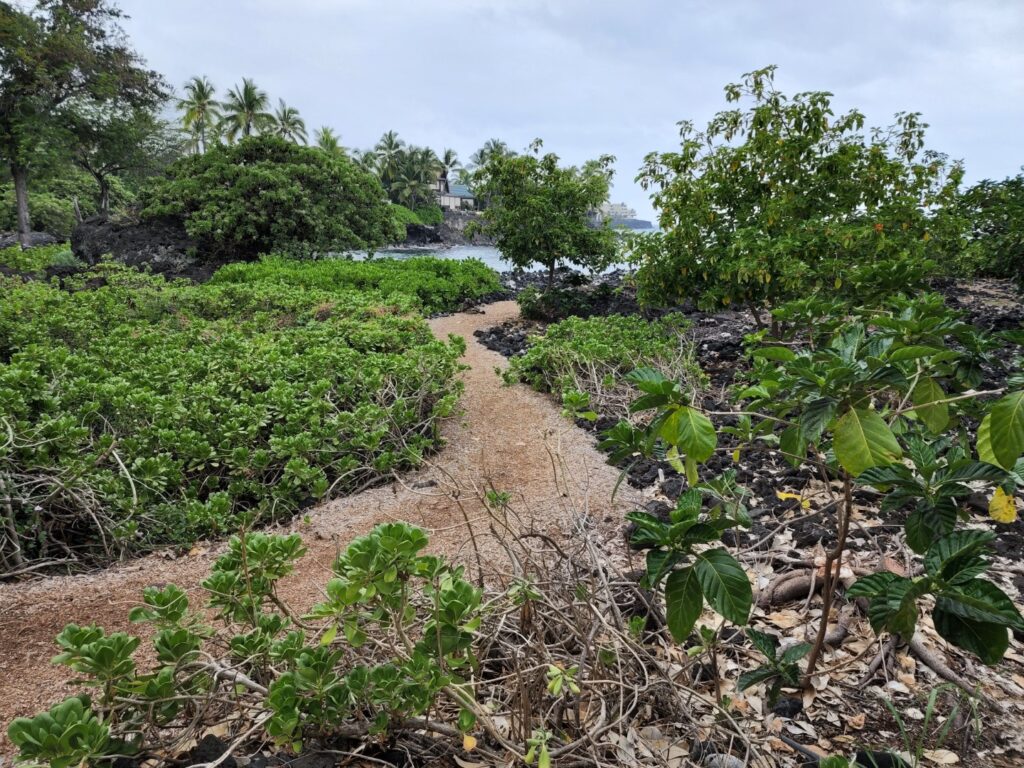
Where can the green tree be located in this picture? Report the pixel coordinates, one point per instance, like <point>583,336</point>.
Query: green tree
<point>389,152</point>
<point>994,215</point>
<point>542,213</point>
<point>245,111</point>
<point>784,196</point>
<point>264,194</point>
<point>288,124</point>
<point>328,141</point>
<point>200,110</point>
<point>62,51</point>
<point>109,142</point>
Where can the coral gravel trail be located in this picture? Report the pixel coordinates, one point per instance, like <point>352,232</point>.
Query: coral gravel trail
<point>503,439</point>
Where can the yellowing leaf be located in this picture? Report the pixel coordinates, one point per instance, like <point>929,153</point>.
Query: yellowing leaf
<point>468,742</point>
<point>1002,507</point>
<point>783,495</point>
<point>736,455</point>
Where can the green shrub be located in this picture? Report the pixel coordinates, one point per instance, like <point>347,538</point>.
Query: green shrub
<point>438,284</point>
<point>144,412</point>
<point>36,259</point>
<point>994,212</point>
<point>430,214</point>
<point>265,194</point>
<point>404,216</point>
<point>585,361</point>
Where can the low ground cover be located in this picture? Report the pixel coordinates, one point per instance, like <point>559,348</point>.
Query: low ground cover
<point>439,285</point>
<point>139,412</point>
<point>35,260</point>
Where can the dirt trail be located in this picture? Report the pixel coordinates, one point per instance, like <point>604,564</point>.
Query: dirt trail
<point>499,441</point>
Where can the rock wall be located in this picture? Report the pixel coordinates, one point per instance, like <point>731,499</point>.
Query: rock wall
<point>453,229</point>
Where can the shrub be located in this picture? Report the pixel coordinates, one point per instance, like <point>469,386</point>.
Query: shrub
<point>438,284</point>
<point>404,216</point>
<point>143,412</point>
<point>994,212</point>
<point>784,197</point>
<point>265,194</point>
<point>430,214</point>
<point>584,361</point>
<point>36,259</point>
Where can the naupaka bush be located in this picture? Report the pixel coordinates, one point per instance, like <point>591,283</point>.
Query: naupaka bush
<point>142,412</point>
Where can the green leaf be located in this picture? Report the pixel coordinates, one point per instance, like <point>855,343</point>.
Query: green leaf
<point>795,653</point>
<point>935,417</point>
<point>913,352</point>
<point>872,585</point>
<point>755,676</point>
<point>863,440</point>
<point>691,431</point>
<point>986,640</point>
<point>1006,430</point>
<point>981,600</point>
<point>767,644</point>
<point>925,525</point>
<point>949,552</point>
<point>684,601</point>
<point>792,445</point>
<point>782,354</point>
<point>985,452</point>
<point>329,635</point>
<point>725,584</point>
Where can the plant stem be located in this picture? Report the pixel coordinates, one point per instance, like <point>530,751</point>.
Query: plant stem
<point>830,579</point>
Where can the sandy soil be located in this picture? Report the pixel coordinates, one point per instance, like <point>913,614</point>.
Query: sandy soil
<point>501,440</point>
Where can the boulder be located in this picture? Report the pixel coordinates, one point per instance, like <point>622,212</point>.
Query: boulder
<point>421,234</point>
<point>9,239</point>
<point>161,245</point>
<point>453,229</point>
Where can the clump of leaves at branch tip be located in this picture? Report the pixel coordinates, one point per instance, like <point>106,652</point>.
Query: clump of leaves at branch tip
<point>780,670</point>
<point>382,585</point>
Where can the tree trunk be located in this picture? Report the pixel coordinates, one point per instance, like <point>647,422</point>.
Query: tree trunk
<point>104,195</point>
<point>20,174</point>
<point>551,274</point>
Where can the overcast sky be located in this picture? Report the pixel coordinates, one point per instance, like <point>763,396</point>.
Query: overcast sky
<point>592,77</point>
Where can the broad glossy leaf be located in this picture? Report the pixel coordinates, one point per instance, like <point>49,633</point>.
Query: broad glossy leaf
<point>981,600</point>
<point>1006,429</point>
<point>725,584</point>
<point>863,440</point>
<point>781,354</point>
<point>691,431</point>
<point>935,417</point>
<point>684,601</point>
<point>946,555</point>
<point>986,640</point>
<point>927,524</point>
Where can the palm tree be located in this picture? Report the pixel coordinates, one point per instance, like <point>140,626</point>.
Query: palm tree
<point>329,141</point>
<point>449,163</point>
<point>411,189</point>
<point>389,154</point>
<point>245,110</point>
<point>367,160</point>
<point>288,124</point>
<point>491,148</point>
<point>201,110</point>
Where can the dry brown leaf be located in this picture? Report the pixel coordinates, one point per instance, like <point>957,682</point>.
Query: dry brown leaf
<point>941,757</point>
<point>857,721</point>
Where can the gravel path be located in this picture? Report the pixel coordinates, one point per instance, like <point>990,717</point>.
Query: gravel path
<point>501,440</point>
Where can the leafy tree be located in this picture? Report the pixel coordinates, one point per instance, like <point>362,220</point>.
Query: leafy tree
<point>994,213</point>
<point>449,163</point>
<point>264,194</point>
<point>288,124</point>
<point>389,154</point>
<point>328,141</point>
<point>245,111</point>
<point>109,141</point>
<point>63,51</point>
<point>201,110</point>
<point>784,196</point>
<point>541,212</point>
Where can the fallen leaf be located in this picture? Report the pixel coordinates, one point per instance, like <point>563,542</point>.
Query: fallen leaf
<point>857,721</point>
<point>941,757</point>
<point>468,742</point>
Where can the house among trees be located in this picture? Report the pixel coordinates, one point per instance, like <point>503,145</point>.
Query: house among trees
<point>453,197</point>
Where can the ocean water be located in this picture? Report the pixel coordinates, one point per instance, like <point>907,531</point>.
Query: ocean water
<point>489,255</point>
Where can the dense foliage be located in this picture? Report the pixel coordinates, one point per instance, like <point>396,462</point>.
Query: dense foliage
<point>37,259</point>
<point>57,60</point>
<point>264,194</point>
<point>584,362</point>
<point>785,197</point>
<point>143,412</point>
<point>60,194</point>
<point>539,212</point>
<point>439,285</point>
<point>994,213</point>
